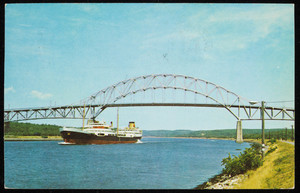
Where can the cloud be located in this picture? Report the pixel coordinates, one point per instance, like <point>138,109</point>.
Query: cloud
<point>237,27</point>
<point>8,90</point>
<point>41,95</point>
<point>88,7</point>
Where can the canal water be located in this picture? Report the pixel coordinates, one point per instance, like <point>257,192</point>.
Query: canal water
<point>157,163</point>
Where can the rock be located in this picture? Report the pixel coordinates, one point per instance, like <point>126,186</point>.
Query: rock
<point>224,177</point>
<point>224,182</point>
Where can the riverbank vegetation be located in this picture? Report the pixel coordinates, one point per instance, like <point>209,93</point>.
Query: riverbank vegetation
<point>29,129</point>
<point>250,159</point>
<point>249,171</point>
<point>277,171</point>
<point>224,133</point>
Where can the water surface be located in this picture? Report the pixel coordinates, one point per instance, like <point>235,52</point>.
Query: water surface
<point>157,163</point>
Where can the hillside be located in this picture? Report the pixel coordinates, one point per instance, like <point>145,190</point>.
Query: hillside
<point>221,133</point>
<point>29,129</point>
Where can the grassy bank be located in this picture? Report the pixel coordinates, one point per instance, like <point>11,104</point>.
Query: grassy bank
<point>277,171</point>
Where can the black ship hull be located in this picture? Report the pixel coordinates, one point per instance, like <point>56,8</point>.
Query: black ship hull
<point>80,138</point>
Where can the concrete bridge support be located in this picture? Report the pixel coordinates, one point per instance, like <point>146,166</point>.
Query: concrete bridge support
<point>239,132</point>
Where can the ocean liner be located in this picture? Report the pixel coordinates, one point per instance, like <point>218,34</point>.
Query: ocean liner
<point>96,132</point>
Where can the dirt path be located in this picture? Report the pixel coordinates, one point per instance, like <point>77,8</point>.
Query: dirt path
<point>290,142</point>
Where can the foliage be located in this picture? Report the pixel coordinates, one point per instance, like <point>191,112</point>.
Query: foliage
<point>222,133</point>
<point>256,147</point>
<point>277,172</point>
<point>248,160</point>
<point>273,141</point>
<point>29,129</point>
<point>271,149</point>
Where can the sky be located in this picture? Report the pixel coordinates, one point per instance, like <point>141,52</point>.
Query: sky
<point>58,54</point>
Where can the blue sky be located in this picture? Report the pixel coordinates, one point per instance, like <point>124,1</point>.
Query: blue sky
<point>57,54</point>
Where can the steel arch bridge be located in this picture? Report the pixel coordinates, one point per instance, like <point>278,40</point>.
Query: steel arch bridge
<point>214,95</point>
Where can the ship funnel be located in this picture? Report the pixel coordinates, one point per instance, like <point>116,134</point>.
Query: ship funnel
<point>131,125</point>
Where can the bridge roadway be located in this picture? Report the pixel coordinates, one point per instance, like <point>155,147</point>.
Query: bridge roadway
<point>77,112</point>
<point>218,97</point>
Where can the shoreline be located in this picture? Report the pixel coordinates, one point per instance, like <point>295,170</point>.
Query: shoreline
<point>191,138</point>
<point>50,138</point>
<point>17,139</point>
<point>214,138</point>
<point>241,181</point>
<point>31,138</point>
<point>222,180</point>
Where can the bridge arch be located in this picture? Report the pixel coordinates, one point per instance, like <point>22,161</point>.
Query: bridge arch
<point>215,93</point>
<point>98,102</point>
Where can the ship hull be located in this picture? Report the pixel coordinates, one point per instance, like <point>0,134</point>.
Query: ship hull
<point>81,138</point>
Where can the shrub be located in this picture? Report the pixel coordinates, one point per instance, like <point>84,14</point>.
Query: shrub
<point>248,160</point>
<point>37,134</point>
<point>273,140</point>
<point>271,150</point>
<point>256,147</point>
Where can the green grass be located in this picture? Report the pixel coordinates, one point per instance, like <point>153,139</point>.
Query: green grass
<point>277,171</point>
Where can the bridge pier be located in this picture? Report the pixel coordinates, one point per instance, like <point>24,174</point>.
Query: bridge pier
<point>239,132</point>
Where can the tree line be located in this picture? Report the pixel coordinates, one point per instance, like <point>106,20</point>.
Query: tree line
<point>30,129</point>
<point>278,133</point>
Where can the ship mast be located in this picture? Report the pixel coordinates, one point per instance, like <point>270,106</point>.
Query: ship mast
<point>118,121</point>
<point>83,116</point>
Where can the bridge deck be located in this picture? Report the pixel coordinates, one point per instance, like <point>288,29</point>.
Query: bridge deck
<point>77,111</point>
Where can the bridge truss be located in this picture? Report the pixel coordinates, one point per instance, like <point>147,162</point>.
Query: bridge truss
<point>212,96</point>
